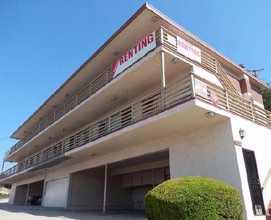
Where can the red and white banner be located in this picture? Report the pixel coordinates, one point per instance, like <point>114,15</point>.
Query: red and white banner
<point>188,50</point>
<point>134,54</point>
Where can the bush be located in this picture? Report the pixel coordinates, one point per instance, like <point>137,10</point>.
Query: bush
<point>4,196</point>
<point>195,198</point>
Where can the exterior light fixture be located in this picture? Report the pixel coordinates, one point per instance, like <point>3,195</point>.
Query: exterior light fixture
<point>155,18</point>
<point>113,98</point>
<point>209,114</point>
<point>116,53</point>
<point>242,133</point>
<point>175,60</point>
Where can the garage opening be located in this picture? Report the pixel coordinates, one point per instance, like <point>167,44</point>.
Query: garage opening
<point>118,186</point>
<point>87,189</point>
<point>29,194</point>
<point>21,195</point>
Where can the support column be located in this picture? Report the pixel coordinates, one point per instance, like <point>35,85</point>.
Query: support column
<point>27,155</point>
<point>27,192</point>
<point>105,187</point>
<point>163,80</point>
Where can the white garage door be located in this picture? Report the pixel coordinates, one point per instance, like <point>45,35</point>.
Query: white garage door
<point>56,193</point>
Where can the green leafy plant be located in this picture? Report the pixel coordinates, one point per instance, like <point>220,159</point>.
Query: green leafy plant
<point>193,198</point>
<point>267,98</point>
<point>4,196</point>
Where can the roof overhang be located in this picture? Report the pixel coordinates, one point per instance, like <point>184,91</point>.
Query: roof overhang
<point>131,31</point>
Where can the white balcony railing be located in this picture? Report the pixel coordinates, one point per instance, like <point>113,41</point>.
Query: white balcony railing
<point>162,37</point>
<point>175,93</point>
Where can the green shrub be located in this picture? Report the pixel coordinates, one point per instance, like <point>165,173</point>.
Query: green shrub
<point>4,196</point>
<point>194,198</point>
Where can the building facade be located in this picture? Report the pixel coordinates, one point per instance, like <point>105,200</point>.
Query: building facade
<point>153,103</point>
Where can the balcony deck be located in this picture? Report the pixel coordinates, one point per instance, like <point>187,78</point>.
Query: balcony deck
<point>174,94</point>
<point>163,37</point>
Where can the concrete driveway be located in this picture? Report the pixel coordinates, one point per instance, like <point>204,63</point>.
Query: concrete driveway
<point>16,212</point>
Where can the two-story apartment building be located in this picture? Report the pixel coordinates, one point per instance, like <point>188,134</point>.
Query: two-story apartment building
<point>153,103</point>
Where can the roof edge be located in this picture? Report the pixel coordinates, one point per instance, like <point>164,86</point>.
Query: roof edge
<point>167,19</point>
<point>144,6</point>
<point>207,46</point>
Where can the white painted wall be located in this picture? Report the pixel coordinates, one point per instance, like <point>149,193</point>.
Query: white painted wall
<point>257,139</point>
<point>209,151</point>
<point>206,152</point>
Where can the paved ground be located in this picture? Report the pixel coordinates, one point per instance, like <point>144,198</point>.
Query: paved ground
<point>15,212</point>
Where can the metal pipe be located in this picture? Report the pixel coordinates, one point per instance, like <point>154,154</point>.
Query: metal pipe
<point>105,187</point>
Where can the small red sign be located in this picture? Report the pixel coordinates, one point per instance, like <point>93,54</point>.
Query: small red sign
<point>214,98</point>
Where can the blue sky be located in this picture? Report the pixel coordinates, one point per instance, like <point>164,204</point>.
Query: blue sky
<point>43,42</point>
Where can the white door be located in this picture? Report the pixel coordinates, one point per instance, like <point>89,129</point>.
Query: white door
<point>56,193</point>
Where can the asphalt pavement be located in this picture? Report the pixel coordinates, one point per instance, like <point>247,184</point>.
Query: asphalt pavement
<point>19,212</point>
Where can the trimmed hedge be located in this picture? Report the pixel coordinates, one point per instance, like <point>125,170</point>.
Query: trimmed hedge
<point>193,198</point>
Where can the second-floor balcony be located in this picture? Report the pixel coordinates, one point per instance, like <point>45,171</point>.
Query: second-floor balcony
<point>173,95</point>
<point>165,39</point>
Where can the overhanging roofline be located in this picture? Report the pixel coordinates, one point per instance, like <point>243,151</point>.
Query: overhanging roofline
<point>144,6</point>
<point>205,45</point>
<point>171,22</point>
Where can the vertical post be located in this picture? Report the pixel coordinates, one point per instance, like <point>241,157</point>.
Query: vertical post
<point>3,166</point>
<point>161,35</point>
<point>109,124</point>
<point>75,101</point>
<point>105,187</point>
<point>227,100</point>
<point>215,64</point>
<point>252,112</point>
<point>27,192</point>
<point>193,86</point>
<point>163,81</point>
<point>27,155</point>
<point>44,187</point>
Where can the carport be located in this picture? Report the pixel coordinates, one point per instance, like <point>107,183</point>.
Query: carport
<point>29,194</point>
<point>118,186</point>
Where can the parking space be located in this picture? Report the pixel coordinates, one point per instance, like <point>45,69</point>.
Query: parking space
<point>118,186</point>
<point>22,212</point>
